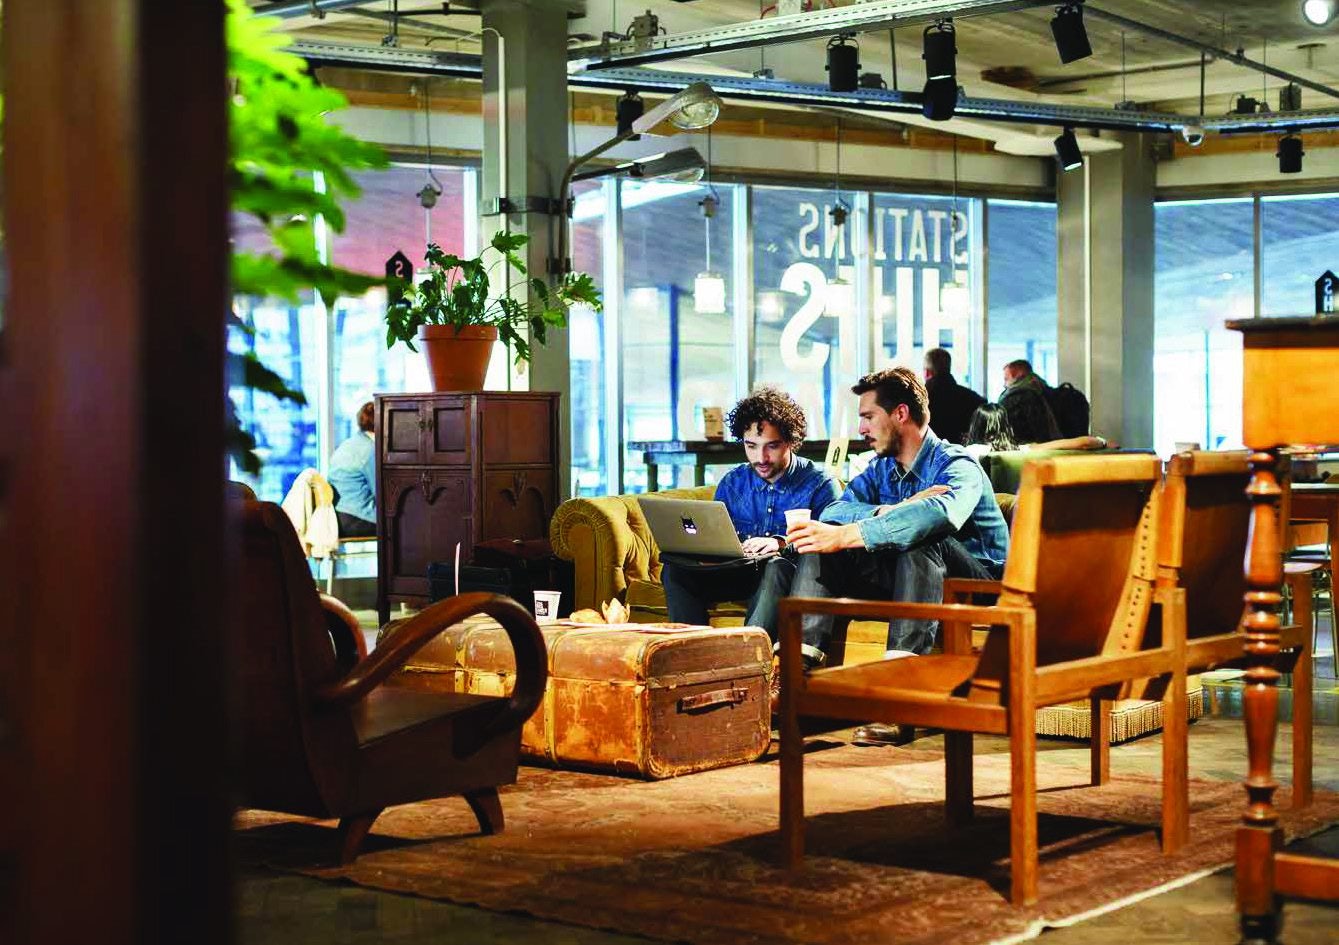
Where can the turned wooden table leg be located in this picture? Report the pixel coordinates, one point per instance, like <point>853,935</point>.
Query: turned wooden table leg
<point>1259,836</point>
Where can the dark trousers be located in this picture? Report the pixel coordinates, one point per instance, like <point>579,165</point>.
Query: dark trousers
<point>915,576</point>
<point>690,589</point>
<point>351,526</point>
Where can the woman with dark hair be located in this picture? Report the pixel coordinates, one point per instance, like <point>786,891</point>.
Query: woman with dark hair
<point>353,470</point>
<point>992,430</point>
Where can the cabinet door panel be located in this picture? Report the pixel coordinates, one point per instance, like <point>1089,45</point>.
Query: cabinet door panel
<point>518,503</point>
<point>401,432</point>
<point>517,430</point>
<point>427,513</point>
<point>449,432</point>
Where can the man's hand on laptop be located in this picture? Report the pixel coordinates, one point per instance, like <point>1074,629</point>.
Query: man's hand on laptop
<point>761,545</point>
<point>821,538</point>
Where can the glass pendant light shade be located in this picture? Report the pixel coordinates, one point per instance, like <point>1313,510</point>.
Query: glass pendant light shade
<point>955,299</point>
<point>841,297</point>
<point>709,293</point>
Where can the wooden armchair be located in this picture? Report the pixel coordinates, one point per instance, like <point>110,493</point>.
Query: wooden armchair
<point>324,738</point>
<point>1202,540</point>
<point>1069,624</point>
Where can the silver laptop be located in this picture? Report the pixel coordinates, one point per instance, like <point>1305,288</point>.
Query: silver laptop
<point>692,527</point>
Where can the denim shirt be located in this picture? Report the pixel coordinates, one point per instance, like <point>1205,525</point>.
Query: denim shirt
<point>353,473</point>
<point>758,507</point>
<point>968,511</point>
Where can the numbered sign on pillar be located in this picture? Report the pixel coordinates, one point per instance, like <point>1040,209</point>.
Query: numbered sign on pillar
<point>399,273</point>
<point>1327,294</point>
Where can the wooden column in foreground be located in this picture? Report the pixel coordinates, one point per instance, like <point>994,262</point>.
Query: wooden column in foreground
<point>1289,397</point>
<point>113,771</point>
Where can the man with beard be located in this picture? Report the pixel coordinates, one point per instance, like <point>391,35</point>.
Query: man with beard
<point>921,511</point>
<point>757,495</point>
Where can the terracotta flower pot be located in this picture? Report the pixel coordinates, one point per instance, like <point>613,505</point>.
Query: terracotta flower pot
<point>457,357</point>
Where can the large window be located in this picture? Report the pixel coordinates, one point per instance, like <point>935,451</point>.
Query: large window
<point>586,328</point>
<point>677,348</point>
<point>1204,275</point>
<point>385,219</point>
<point>1299,240</point>
<point>805,319</point>
<point>924,287</point>
<point>1022,293</point>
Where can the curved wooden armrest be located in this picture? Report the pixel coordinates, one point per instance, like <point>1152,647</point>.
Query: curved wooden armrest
<point>994,616</point>
<point>404,641</point>
<point>350,645</point>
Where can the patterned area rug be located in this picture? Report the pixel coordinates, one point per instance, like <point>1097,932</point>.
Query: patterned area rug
<point>693,859</point>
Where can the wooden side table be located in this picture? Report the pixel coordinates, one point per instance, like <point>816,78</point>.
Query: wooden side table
<point>1289,398</point>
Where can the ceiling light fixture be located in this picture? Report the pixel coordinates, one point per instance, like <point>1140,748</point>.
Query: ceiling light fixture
<point>690,109</point>
<point>1290,154</point>
<point>630,107</point>
<point>939,99</point>
<point>1067,150</point>
<point>939,51</point>
<point>685,166</point>
<point>840,298</point>
<point>1071,39</point>
<point>1318,12</point>
<point>843,66</point>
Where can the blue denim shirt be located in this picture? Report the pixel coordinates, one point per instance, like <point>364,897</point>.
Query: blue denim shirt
<point>353,473</point>
<point>758,507</point>
<point>968,511</point>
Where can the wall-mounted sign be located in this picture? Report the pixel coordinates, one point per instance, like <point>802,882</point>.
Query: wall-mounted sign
<point>1327,294</point>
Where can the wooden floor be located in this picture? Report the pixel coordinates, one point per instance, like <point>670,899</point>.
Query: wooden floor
<point>275,908</point>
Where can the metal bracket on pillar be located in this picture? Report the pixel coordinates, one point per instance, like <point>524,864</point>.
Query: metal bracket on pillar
<point>500,205</point>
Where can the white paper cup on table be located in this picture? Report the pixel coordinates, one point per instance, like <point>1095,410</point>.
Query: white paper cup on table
<point>546,606</point>
<point>796,516</point>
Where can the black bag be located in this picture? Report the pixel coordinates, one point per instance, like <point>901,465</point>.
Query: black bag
<point>442,583</point>
<point>1070,408</point>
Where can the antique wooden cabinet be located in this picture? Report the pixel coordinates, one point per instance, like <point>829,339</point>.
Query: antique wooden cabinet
<point>458,468</point>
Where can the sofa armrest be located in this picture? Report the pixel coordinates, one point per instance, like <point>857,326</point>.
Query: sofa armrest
<point>596,536</point>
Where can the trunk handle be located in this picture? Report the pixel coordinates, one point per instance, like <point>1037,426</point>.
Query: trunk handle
<point>732,696</point>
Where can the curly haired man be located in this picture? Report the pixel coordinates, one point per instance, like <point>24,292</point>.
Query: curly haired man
<point>757,494</point>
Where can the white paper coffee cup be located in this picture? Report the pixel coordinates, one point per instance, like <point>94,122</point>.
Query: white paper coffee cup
<point>796,516</point>
<point>546,606</point>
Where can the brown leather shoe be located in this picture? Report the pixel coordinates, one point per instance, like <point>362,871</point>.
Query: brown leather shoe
<point>880,733</point>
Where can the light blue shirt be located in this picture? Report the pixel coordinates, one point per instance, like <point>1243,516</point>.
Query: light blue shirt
<point>353,473</point>
<point>968,511</point>
<point>758,507</point>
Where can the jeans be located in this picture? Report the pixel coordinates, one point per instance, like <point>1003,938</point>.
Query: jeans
<point>351,526</point>
<point>916,575</point>
<point>688,590</point>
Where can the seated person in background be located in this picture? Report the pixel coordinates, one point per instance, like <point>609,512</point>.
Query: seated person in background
<point>1024,400</point>
<point>991,432</point>
<point>353,473</point>
<point>951,404</point>
<point>923,510</point>
<point>757,495</point>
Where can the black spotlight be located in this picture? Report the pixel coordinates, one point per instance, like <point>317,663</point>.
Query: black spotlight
<point>1290,154</point>
<point>1071,39</point>
<point>938,50</point>
<point>939,99</point>
<point>843,64</point>
<point>1067,150</point>
<point>629,109</point>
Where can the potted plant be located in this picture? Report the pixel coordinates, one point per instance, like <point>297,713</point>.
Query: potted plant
<point>450,313</point>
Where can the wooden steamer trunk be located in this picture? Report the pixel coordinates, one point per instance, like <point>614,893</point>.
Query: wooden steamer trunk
<point>631,698</point>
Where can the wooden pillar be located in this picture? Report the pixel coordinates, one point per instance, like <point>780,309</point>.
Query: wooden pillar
<point>113,771</point>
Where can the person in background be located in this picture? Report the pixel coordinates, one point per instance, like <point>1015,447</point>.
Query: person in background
<point>1024,400</point>
<point>757,495</point>
<point>951,404</point>
<point>353,474</point>
<point>991,432</point>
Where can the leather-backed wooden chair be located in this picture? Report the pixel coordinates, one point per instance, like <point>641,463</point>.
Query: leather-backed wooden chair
<point>1202,540</point>
<point>1070,623</point>
<point>323,738</point>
